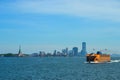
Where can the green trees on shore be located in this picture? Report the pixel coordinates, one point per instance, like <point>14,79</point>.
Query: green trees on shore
<point>8,55</point>
<point>11,55</point>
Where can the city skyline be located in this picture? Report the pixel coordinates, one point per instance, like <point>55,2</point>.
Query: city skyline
<point>48,25</point>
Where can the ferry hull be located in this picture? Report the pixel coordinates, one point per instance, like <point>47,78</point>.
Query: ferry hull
<point>98,58</point>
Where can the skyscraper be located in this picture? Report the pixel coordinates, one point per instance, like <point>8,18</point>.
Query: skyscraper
<point>75,51</point>
<point>66,51</point>
<point>83,51</point>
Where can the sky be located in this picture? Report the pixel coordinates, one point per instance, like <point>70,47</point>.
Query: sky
<point>46,25</point>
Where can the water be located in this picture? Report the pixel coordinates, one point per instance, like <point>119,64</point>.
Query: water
<point>72,68</point>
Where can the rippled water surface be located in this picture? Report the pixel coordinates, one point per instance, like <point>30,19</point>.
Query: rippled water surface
<point>68,68</point>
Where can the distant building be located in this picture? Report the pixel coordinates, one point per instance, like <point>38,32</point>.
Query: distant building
<point>75,51</point>
<point>71,53</point>
<point>83,51</point>
<point>55,53</point>
<point>64,51</point>
<point>42,54</point>
<point>67,51</point>
<point>34,54</point>
<point>59,53</point>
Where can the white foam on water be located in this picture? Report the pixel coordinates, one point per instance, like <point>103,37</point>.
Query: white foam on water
<point>92,62</point>
<point>114,61</point>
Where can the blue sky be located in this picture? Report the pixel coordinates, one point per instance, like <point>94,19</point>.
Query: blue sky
<point>56,24</point>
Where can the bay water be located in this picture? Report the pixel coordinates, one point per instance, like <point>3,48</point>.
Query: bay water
<point>57,68</point>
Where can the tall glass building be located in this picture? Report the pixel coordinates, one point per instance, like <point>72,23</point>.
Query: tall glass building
<point>83,51</point>
<point>75,51</point>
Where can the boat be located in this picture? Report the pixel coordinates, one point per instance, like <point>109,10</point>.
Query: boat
<point>98,57</point>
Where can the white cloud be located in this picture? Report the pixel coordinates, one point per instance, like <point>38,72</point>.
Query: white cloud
<point>94,9</point>
<point>97,9</point>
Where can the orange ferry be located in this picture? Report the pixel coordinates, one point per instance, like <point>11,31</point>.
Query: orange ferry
<point>97,57</point>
